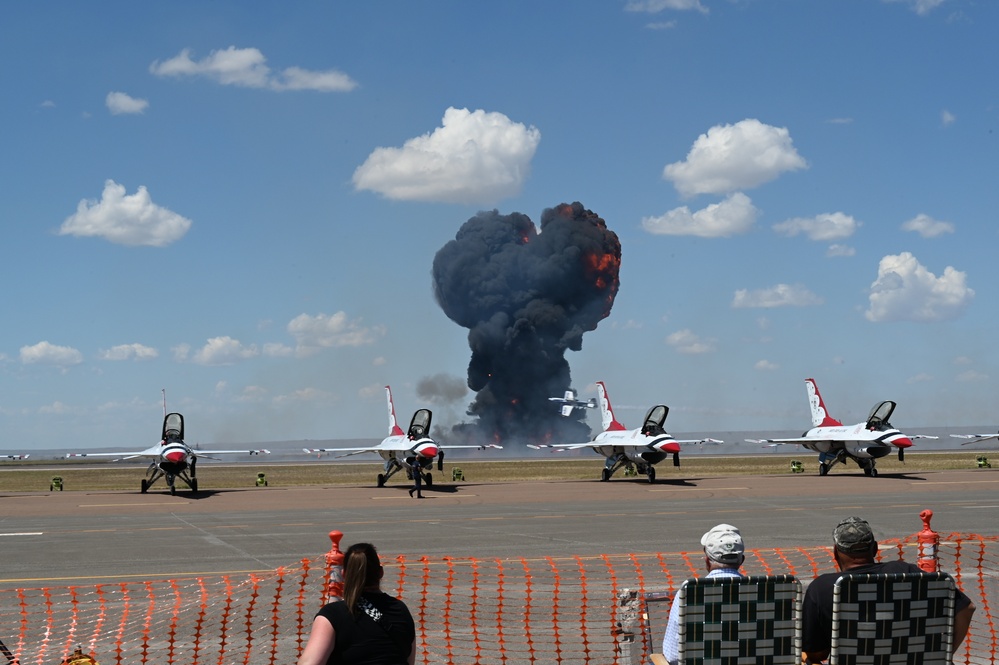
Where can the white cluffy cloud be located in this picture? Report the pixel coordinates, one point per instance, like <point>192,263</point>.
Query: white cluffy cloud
<point>736,214</point>
<point>921,7</point>
<point>734,157</point>
<point>822,228</point>
<point>927,227</point>
<point>907,291</point>
<point>45,353</point>
<point>247,67</point>
<point>313,333</point>
<point>474,157</point>
<point>224,351</point>
<point>126,219</point>
<point>782,295</point>
<point>688,342</point>
<point>656,6</point>
<point>128,352</point>
<point>119,103</point>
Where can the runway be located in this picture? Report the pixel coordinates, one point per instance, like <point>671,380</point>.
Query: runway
<point>76,538</point>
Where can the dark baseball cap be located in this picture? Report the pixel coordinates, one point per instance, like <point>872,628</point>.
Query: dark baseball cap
<point>853,536</point>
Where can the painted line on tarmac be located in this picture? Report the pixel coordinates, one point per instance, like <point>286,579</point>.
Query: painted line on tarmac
<point>697,489</point>
<point>117,505</point>
<point>24,533</point>
<point>955,482</point>
<point>158,577</point>
<point>409,498</point>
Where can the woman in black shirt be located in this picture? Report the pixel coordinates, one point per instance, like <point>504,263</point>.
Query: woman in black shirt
<point>367,627</point>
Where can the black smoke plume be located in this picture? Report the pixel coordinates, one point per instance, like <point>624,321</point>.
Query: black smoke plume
<point>526,297</point>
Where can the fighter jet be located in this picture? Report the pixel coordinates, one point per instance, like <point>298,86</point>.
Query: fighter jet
<point>412,450</point>
<point>835,442</point>
<point>636,449</point>
<point>171,457</point>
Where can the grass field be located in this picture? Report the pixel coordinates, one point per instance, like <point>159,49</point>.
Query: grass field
<point>28,477</point>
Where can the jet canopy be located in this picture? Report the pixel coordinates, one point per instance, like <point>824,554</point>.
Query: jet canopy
<point>173,427</point>
<point>878,420</point>
<point>419,426</point>
<point>654,419</point>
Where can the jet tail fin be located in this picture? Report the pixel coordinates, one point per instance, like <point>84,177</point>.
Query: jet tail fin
<point>394,429</point>
<point>820,417</point>
<point>607,418</point>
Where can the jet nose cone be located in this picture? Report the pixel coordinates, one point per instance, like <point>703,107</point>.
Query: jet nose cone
<point>427,450</point>
<point>668,446</point>
<point>902,441</point>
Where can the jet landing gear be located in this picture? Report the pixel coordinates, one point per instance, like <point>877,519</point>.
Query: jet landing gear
<point>827,462</point>
<point>393,466</point>
<point>622,462</point>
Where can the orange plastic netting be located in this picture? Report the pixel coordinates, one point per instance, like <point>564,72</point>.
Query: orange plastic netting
<point>568,609</point>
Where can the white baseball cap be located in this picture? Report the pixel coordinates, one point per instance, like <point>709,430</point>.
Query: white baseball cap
<point>723,544</point>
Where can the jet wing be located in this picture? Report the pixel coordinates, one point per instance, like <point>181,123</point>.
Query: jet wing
<point>801,441</point>
<point>975,438</point>
<point>350,451</point>
<point>347,452</point>
<point>559,447</point>
<point>131,455</point>
<point>245,451</point>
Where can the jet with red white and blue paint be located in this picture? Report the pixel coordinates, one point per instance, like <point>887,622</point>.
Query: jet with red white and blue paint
<point>636,450</point>
<point>864,443</point>
<point>413,450</point>
<point>171,457</point>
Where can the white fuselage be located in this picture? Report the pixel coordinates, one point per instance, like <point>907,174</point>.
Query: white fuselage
<point>856,440</point>
<point>635,445</point>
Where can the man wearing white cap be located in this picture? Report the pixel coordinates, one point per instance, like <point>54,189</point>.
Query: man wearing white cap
<point>724,553</point>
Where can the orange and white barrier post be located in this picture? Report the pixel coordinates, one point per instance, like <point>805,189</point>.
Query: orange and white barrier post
<point>334,563</point>
<point>929,540</point>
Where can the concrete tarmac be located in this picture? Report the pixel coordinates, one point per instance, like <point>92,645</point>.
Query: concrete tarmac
<point>75,538</point>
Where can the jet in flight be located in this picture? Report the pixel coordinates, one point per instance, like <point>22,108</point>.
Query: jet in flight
<point>171,457</point>
<point>635,449</point>
<point>412,450</point>
<point>835,442</point>
<point>570,402</point>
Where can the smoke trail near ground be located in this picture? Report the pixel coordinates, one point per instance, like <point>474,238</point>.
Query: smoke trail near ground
<point>526,297</point>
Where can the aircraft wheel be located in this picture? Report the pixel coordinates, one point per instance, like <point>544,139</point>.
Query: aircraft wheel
<point>144,486</point>
<point>871,471</point>
<point>173,490</point>
<point>428,480</point>
<point>823,469</point>
<point>652,474</point>
<point>381,480</point>
<point>194,485</point>
<point>605,475</point>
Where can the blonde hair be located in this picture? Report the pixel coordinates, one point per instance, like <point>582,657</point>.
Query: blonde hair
<point>361,568</point>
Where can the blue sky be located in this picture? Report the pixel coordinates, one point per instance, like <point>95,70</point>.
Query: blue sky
<point>242,206</point>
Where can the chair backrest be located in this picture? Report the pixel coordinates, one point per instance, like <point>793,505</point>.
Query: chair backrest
<point>909,615</point>
<point>738,620</point>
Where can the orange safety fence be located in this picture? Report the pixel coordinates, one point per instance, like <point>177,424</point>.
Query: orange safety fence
<point>555,609</point>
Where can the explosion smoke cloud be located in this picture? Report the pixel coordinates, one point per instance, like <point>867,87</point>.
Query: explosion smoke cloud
<point>526,297</point>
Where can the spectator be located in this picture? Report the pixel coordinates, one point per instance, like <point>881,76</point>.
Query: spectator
<point>855,550</point>
<point>367,627</point>
<point>723,556</point>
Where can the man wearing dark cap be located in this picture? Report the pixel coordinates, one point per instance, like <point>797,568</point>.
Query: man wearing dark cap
<point>724,553</point>
<point>855,551</point>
